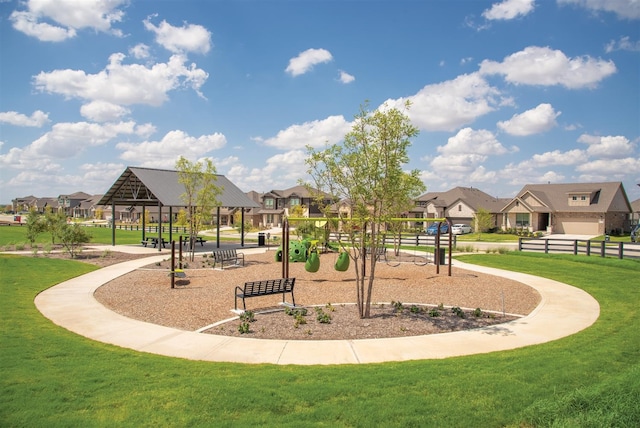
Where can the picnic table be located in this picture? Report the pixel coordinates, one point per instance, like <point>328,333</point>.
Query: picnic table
<point>153,241</point>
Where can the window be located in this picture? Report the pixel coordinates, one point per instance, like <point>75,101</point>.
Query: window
<point>268,203</point>
<point>583,198</point>
<point>522,219</point>
<point>459,207</point>
<point>574,198</point>
<point>294,201</point>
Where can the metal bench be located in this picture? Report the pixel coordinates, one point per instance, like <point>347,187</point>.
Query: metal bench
<point>222,256</point>
<point>265,288</point>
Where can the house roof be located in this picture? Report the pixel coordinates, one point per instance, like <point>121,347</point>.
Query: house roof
<point>635,206</point>
<point>474,198</point>
<point>152,186</point>
<point>555,197</point>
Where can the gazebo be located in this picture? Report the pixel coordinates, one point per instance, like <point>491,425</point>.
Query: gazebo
<point>159,187</point>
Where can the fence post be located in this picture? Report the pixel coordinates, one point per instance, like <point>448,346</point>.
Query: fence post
<point>546,246</point>
<point>519,244</point>
<point>575,247</point>
<point>620,250</point>
<point>589,248</point>
<point>602,249</point>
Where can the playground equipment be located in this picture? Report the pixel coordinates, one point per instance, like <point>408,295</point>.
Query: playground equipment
<point>306,249</point>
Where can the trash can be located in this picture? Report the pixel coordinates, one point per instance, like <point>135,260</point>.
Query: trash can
<point>260,239</point>
<point>442,257</point>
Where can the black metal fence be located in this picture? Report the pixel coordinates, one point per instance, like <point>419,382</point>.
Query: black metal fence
<point>620,250</point>
<point>406,240</point>
<point>152,229</point>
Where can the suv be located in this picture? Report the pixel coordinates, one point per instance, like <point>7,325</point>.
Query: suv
<point>433,229</point>
<point>460,229</point>
<point>635,233</point>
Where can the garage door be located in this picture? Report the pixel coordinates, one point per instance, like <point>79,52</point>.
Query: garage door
<point>578,227</point>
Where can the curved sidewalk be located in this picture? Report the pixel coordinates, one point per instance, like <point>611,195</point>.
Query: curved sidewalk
<point>563,310</point>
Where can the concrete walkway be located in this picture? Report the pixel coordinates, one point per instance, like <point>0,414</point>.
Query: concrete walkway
<point>564,310</point>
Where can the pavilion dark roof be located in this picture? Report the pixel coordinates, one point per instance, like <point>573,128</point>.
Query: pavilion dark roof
<point>138,185</point>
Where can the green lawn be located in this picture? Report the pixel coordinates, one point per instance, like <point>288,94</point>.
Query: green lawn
<point>487,237</point>
<point>52,377</point>
<point>12,235</point>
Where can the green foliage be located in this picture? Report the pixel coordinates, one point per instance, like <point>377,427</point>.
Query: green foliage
<point>459,312</point>
<point>35,226</point>
<point>482,221</point>
<point>200,195</point>
<point>72,236</point>
<point>367,171</point>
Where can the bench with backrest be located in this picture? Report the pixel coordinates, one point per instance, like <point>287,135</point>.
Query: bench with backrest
<point>265,288</point>
<point>222,256</point>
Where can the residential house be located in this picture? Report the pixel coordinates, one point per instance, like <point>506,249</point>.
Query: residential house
<point>570,208</point>
<point>635,212</point>
<point>276,204</point>
<point>460,205</point>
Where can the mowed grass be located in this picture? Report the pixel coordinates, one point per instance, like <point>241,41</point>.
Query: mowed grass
<point>52,377</point>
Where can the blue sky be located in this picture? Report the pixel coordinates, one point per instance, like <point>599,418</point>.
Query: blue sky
<point>504,93</point>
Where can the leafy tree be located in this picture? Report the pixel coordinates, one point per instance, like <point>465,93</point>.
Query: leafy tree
<point>237,223</point>
<point>99,212</point>
<point>54,222</point>
<point>366,173</point>
<point>72,236</point>
<point>181,219</point>
<point>483,221</point>
<point>35,225</point>
<point>200,196</point>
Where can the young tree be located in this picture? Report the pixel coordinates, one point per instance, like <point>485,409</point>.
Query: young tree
<point>366,171</point>
<point>35,226</point>
<point>72,236</point>
<point>200,196</point>
<point>54,222</point>
<point>482,220</point>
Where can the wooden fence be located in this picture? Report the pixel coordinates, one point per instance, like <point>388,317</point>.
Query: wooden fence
<point>579,246</point>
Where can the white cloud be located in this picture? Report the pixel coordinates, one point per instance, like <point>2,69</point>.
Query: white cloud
<point>470,141</point>
<point>462,159</point>
<point>67,139</point>
<point>546,67</point>
<point>140,51</point>
<point>346,77</point>
<point>188,38</point>
<point>37,119</point>
<point>509,9</point>
<point>103,111</point>
<point>316,133</point>
<point>67,16</point>
<point>556,157</point>
<point>609,147</point>
<point>163,153</point>
<point>534,121</point>
<point>608,167</point>
<point>124,84</point>
<point>451,104</point>
<point>306,60</point>
<point>64,141</point>
<point>624,9</point>
<point>623,44</point>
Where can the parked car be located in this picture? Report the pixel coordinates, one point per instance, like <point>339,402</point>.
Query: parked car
<point>433,229</point>
<point>635,233</point>
<point>460,229</point>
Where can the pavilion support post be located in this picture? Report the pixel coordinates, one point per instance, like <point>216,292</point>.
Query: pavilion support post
<point>159,226</point>
<point>242,227</point>
<point>113,222</point>
<point>144,222</point>
<point>218,227</point>
<point>170,224</point>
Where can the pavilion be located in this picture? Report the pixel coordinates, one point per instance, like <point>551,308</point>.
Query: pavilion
<point>138,186</point>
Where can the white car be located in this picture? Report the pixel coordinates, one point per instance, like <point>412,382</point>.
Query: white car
<point>460,229</point>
